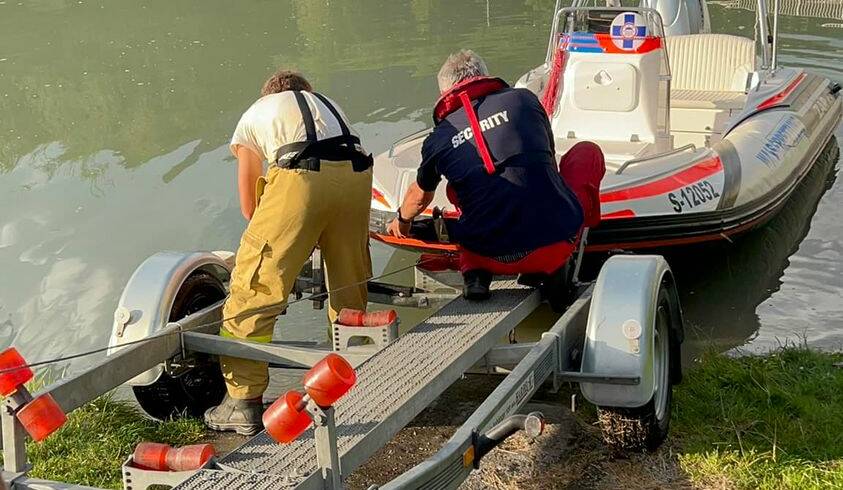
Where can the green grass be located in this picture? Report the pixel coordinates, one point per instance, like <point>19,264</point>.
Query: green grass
<point>762,422</point>
<point>98,437</point>
<point>773,422</point>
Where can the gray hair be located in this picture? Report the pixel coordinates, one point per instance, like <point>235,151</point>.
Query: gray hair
<point>463,64</point>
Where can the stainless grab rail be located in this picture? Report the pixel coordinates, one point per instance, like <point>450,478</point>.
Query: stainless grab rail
<point>634,161</point>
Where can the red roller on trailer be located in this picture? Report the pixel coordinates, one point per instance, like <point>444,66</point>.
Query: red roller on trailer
<point>286,419</point>
<point>360,318</point>
<point>325,383</point>
<point>13,371</point>
<point>163,457</point>
<point>40,416</point>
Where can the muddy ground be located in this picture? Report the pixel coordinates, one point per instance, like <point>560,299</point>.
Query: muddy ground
<point>569,455</point>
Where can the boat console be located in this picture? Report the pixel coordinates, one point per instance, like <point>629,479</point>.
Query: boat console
<point>614,80</point>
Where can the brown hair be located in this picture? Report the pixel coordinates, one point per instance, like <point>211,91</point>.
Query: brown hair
<point>283,80</point>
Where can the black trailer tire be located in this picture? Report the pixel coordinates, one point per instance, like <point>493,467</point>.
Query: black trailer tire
<point>201,387</point>
<point>645,428</point>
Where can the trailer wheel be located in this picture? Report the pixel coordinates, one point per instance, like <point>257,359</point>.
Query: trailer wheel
<point>200,387</point>
<point>646,427</point>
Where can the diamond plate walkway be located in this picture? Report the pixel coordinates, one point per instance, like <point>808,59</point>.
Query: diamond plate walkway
<point>392,387</point>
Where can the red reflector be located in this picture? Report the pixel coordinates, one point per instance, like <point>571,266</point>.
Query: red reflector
<point>286,419</point>
<point>13,372</point>
<point>329,380</point>
<point>41,417</point>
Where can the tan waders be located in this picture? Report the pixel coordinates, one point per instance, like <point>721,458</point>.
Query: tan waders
<point>298,210</point>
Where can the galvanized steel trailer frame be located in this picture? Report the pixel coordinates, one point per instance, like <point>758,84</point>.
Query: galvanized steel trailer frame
<point>181,337</point>
<point>263,464</point>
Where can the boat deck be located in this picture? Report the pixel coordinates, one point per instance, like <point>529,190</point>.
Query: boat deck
<point>392,387</point>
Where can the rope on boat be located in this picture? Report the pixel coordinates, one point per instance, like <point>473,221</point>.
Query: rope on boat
<point>247,314</point>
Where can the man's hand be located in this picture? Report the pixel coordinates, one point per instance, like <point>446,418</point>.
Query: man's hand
<point>415,201</point>
<point>398,229</point>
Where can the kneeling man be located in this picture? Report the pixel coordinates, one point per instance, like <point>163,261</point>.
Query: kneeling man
<point>520,213</point>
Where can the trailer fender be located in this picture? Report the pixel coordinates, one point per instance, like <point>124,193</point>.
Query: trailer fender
<point>620,329</point>
<point>144,306</point>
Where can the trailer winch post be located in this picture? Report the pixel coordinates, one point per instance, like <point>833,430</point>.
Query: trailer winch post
<point>14,441</point>
<point>325,435</point>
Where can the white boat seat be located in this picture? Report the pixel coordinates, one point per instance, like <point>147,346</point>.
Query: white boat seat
<point>710,62</point>
<point>709,74</point>
<point>706,99</point>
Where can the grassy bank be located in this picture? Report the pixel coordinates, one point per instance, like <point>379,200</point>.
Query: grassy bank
<point>98,437</point>
<point>762,422</point>
<point>752,422</point>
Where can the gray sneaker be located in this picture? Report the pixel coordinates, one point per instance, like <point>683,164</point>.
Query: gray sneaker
<point>240,416</point>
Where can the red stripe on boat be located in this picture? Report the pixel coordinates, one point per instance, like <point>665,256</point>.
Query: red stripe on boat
<point>623,213</point>
<point>379,197</point>
<point>667,184</point>
<point>779,97</point>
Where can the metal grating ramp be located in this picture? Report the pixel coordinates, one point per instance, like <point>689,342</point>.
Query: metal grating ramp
<point>393,386</point>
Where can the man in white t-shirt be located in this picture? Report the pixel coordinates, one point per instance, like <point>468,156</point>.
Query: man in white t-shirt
<point>316,191</point>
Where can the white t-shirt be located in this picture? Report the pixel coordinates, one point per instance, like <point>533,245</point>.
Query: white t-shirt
<point>275,120</point>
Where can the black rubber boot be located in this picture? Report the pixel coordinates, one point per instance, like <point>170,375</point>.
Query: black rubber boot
<point>558,288</point>
<point>532,280</point>
<point>240,416</point>
<point>477,283</point>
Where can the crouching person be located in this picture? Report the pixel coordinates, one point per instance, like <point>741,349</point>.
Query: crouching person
<point>520,212</point>
<point>316,192</point>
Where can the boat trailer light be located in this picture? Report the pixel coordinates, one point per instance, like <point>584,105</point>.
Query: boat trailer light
<point>40,416</point>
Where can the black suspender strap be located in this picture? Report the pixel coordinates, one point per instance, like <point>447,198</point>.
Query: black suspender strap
<point>308,154</point>
<point>343,126</point>
<point>306,115</point>
<point>359,160</point>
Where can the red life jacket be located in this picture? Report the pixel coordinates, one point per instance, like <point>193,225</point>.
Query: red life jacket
<point>461,95</point>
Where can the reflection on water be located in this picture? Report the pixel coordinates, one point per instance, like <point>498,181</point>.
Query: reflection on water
<point>770,283</point>
<point>114,119</point>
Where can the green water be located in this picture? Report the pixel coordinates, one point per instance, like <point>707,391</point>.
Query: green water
<point>115,117</point>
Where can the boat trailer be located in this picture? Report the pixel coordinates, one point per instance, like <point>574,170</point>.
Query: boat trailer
<point>619,339</point>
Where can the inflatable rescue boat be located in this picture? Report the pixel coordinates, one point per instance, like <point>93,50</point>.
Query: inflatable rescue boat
<point>704,135</point>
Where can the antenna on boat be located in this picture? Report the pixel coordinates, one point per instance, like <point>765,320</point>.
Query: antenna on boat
<point>764,32</point>
<point>554,24</point>
<point>775,57</point>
